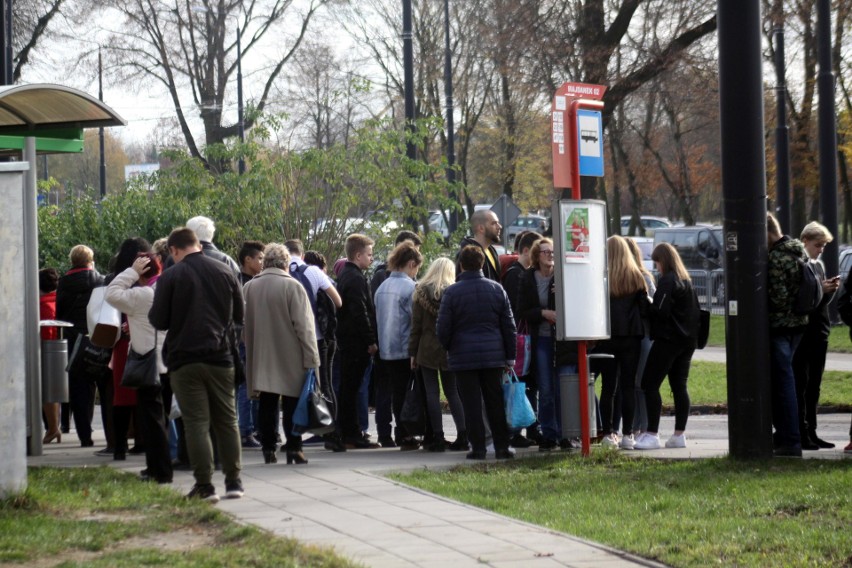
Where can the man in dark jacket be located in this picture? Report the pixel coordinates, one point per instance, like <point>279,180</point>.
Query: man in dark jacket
<point>356,333</point>
<point>785,333</point>
<point>486,232</point>
<point>205,229</point>
<point>198,301</point>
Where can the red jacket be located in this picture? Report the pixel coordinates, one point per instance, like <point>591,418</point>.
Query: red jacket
<point>47,311</point>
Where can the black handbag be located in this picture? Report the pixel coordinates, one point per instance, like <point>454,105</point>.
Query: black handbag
<point>141,371</point>
<point>703,329</point>
<point>87,358</point>
<point>413,414</point>
<point>320,420</point>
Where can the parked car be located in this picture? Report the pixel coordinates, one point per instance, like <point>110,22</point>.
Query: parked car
<point>537,223</point>
<point>650,223</point>
<point>646,245</point>
<point>844,264</point>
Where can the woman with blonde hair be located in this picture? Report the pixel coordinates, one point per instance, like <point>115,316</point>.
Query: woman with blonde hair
<point>628,302</point>
<point>674,329</point>
<point>430,357</point>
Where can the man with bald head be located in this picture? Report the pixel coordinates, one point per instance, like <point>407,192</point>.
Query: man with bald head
<point>485,229</point>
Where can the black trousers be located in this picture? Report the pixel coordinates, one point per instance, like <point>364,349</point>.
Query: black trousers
<point>398,372</point>
<point>670,358</point>
<point>353,365</point>
<point>267,416</point>
<point>618,377</point>
<point>121,417</point>
<point>480,386</point>
<point>808,367</point>
<point>152,420</point>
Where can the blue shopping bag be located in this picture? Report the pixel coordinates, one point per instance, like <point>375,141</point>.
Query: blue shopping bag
<point>519,411</point>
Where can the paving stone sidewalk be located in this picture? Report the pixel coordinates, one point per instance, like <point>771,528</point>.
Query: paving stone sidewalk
<point>343,501</point>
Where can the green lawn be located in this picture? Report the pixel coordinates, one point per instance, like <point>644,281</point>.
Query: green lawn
<point>838,341</point>
<point>102,517</point>
<point>708,387</point>
<point>683,512</point>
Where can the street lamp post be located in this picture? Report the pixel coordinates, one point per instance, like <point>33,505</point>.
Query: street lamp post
<point>102,167</point>
<point>448,94</point>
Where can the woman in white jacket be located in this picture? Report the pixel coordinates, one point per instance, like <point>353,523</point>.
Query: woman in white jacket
<point>132,292</point>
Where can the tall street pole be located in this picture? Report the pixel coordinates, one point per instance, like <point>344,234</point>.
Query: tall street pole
<point>408,71</point>
<point>744,197</point>
<point>101,129</point>
<point>451,131</point>
<point>6,71</point>
<point>827,135</point>
<point>782,136</point>
<point>241,165</point>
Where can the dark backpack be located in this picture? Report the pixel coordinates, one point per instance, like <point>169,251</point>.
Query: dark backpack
<point>809,295</point>
<point>299,274</point>
<point>326,315</point>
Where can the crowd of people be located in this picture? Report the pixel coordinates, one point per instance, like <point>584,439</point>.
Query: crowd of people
<point>235,341</point>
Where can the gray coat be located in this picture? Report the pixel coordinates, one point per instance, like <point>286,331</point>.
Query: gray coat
<point>281,343</point>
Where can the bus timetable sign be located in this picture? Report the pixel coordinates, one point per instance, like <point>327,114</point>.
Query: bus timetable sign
<point>576,130</point>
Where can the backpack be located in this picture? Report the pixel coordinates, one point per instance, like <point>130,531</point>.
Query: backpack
<point>326,315</point>
<point>299,274</point>
<point>809,296</point>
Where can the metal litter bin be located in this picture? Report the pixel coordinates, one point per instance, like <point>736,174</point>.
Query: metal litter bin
<point>569,391</point>
<point>54,359</point>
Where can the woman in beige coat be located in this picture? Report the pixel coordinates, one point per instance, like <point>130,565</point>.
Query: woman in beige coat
<point>281,346</point>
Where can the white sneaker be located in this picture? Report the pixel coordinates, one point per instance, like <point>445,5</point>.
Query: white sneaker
<point>676,441</point>
<point>609,441</point>
<point>627,442</point>
<point>647,441</point>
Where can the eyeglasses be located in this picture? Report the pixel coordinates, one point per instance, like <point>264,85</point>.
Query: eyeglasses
<point>546,252</point>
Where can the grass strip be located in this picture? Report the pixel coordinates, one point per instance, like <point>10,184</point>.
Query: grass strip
<point>680,512</point>
<point>97,517</point>
<point>838,339</point>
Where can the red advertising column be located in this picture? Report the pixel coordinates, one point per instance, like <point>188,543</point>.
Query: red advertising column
<point>570,98</point>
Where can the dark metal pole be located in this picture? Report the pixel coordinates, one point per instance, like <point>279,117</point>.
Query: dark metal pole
<point>744,195</point>
<point>408,71</point>
<point>241,165</point>
<point>101,129</point>
<point>827,136</point>
<point>6,41</point>
<point>782,137</point>
<point>451,131</point>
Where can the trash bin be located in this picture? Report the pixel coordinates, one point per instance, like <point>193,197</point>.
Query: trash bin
<point>569,391</point>
<point>54,359</point>
<point>569,386</point>
<point>54,379</point>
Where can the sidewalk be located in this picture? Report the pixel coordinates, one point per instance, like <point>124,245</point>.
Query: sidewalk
<point>833,361</point>
<point>342,501</point>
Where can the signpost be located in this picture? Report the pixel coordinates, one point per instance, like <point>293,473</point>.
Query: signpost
<point>577,150</point>
<point>506,212</point>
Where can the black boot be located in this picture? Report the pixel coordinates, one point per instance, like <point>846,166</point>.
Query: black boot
<point>820,443</point>
<point>807,443</point>
<point>461,444</point>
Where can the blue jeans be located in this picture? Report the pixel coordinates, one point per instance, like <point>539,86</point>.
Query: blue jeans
<point>549,410</point>
<point>246,411</point>
<point>785,409</point>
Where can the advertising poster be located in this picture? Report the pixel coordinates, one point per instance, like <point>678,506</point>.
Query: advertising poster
<point>576,234</point>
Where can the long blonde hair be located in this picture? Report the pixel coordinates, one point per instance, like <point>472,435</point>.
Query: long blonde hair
<point>440,275</point>
<point>637,256</point>
<point>625,278</point>
<point>670,261</point>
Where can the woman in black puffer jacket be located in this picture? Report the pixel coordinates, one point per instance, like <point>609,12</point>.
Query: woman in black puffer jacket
<point>674,329</point>
<point>476,327</point>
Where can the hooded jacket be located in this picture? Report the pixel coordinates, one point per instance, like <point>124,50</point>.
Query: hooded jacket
<point>783,286</point>
<point>489,270</point>
<point>72,296</point>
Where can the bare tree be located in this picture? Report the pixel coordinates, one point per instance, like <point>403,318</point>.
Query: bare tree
<point>190,49</point>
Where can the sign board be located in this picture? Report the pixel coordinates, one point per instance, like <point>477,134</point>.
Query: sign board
<point>562,145</point>
<point>590,143</point>
<point>582,286</point>
<point>506,212</point>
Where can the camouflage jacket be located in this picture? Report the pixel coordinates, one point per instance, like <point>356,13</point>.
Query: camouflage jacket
<point>784,281</point>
